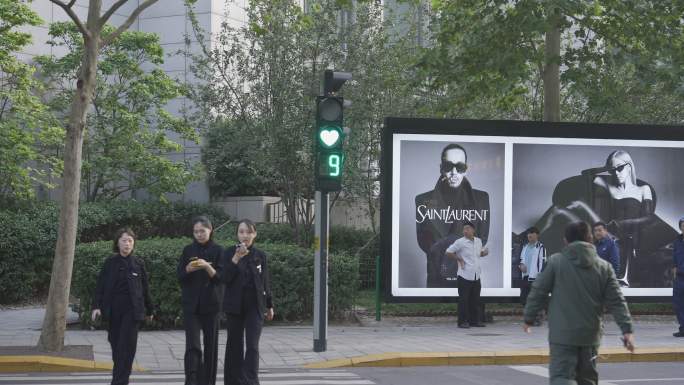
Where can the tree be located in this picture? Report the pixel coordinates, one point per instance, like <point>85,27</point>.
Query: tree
<point>499,53</point>
<point>259,90</point>
<point>263,78</point>
<point>28,134</point>
<point>230,171</point>
<point>125,144</point>
<point>54,323</point>
<point>381,60</point>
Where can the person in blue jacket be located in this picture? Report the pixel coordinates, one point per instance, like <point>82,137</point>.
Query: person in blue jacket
<point>606,247</point>
<point>678,284</point>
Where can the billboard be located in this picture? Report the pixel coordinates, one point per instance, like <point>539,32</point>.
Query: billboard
<point>506,176</point>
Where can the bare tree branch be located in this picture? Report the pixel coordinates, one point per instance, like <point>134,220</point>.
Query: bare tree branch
<point>105,17</point>
<point>69,11</point>
<point>127,23</point>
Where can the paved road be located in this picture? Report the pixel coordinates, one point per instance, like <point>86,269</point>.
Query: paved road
<point>646,373</point>
<point>267,377</point>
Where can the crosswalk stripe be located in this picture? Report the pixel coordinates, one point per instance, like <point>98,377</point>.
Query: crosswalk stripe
<point>179,375</point>
<point>177,378</point>
<point>181,382</point>
<point>544,372</point>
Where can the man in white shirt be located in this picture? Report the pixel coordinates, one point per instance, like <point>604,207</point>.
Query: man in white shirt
<point>467,251</point>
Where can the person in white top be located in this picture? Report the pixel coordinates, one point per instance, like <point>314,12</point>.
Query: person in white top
<point>467,251</point>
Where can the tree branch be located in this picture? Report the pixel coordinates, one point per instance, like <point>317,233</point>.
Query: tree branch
<point>115,7</point>
<point>133,16</point>
<point>69,11</point>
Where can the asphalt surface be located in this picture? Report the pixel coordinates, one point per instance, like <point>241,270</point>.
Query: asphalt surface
<point>642,373</point>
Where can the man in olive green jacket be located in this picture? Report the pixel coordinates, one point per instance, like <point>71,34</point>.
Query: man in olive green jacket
<point>582,285</point>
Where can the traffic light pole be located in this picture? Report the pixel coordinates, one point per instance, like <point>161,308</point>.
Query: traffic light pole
<point>320,329</point>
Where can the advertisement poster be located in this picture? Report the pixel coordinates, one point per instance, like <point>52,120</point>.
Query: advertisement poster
<point>440,174</point>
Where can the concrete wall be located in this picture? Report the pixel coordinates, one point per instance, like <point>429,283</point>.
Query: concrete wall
<point>254,208</point>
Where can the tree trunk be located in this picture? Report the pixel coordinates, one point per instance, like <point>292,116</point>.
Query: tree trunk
<point>552,69</point>
<point>54,323</point>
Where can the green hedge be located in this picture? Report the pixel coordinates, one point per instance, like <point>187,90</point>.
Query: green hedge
<point>29,236</point>
<point>267,232</point>
<point>291,273</point>
<point>26,251</point>
<point>343,240</point>
<point>99,221</point>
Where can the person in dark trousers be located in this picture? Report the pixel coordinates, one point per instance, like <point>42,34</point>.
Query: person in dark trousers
<point>606,247</point>
<point>467,251</point>
<point>199,273</point>
<point>582,285</point>
<point>532,262</point>
<point>247,300</point>
<point>678,284</point>
<point>122,297</point>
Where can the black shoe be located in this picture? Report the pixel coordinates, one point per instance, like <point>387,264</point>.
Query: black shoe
<point>479,325</point>
<point>464,325</point>
<point>678,334</point>
<point>536,323</point>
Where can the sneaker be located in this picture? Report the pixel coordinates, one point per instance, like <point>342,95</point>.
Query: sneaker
<point>678,334</point>
<point>464,325</point>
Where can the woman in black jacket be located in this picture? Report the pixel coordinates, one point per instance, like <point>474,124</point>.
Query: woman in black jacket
<point>199,273</point>
<point>247,301</point>
<point>122,297</point>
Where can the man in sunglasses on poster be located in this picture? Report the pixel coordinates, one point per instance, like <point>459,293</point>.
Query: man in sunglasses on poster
<point>441,213</point>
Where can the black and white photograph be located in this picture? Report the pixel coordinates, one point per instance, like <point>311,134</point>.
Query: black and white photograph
<point>442,185</point>
<point>630,194</point>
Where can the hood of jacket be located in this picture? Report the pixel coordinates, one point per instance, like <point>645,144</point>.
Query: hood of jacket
<point>581,254</point>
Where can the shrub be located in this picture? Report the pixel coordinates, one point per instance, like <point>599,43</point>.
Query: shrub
<point>98,221</point>
<point>26,251</point>
<point>291,274</point>
<point>267,232</point>
<point>29,236</point>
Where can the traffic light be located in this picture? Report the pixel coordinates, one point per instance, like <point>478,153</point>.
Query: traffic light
<point>329,141</point>
<point>330,133</point>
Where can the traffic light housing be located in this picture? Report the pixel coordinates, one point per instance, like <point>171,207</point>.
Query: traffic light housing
<point>329,142</point>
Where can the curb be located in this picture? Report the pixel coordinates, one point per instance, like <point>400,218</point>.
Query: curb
<point>511,357</point>
<point>32,364</point>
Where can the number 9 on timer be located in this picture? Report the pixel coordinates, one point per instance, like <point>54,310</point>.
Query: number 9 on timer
<point>334,164</point>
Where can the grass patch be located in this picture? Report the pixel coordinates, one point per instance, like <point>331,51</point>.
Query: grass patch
<point>366,299</point>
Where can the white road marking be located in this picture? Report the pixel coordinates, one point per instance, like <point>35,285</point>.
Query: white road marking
<point>544,372</point>
<point>329,377</point>
<point>648,380</point>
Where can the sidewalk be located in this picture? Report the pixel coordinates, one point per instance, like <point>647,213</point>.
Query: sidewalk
<point>291,346</point>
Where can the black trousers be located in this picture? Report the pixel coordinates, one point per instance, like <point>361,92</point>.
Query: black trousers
<point>201,369</point>
<point>525,288</point>
<point>123,338</point>
<point>468,301</point>
<point>242,350</point>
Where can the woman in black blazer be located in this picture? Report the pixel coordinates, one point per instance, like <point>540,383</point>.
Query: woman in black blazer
<point>199,272</point>
<point>246,302</point>
<point>122,297</point>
